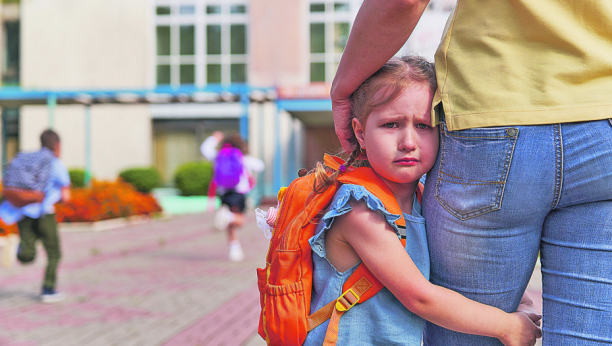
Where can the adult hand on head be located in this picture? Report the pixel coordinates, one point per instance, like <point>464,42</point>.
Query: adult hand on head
<point>341,108</point>
<point>379,31</point>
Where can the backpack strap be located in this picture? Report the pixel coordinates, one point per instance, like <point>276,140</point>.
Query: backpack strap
<point>348,299</point>
<point>332,162</point>
<point>359,287</point>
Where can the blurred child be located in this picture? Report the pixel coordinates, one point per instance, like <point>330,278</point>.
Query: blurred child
<point>36,221</point>
<point>233,178</point>
<point>393,135</point>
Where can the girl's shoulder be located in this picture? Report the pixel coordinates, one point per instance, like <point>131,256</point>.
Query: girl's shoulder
<point>356,198</point>
<point>353,203</point>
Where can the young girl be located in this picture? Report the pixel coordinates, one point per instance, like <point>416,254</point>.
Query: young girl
<point>231,214</point>
<point>393,134</point>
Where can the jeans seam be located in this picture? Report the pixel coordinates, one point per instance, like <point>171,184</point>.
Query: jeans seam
<point>558,145</point>
<point>507,163</point>
<point>483,182</point>
<point>478,137</point>
<point>440,169</point>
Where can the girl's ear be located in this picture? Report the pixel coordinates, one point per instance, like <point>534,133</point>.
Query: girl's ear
<point>359,132</point>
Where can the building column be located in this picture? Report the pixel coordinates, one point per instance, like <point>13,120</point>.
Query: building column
<point>51,103</point>
<point>278,154</point>
<point>87,144</point>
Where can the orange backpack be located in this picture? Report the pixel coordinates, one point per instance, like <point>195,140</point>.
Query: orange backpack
<point>285,283</point>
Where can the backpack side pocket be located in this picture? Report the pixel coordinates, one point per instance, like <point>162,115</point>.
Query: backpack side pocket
<point>285,314</point>
<point>262,284</point>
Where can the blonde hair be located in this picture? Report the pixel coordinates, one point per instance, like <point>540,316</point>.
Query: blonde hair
<point>384,86</point>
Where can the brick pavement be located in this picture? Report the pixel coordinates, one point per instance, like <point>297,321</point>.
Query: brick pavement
<point>160,283</point>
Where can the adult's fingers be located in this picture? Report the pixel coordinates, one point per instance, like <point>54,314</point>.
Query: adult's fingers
<point>344,137</point>
<point>342,114</point>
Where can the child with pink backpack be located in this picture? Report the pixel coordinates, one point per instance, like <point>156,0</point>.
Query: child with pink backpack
<point>232,179</point>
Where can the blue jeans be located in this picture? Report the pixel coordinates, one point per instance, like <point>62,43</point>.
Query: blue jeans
<point>497,196</point>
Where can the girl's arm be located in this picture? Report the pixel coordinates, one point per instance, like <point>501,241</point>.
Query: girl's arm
<point>377,245</point>
<point>253,164</point>
<point>209,146</point>
<point>380,29</point>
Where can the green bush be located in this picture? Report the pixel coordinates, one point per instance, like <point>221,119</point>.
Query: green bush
<point>143,179</point>
<point>77,177</point>
<point>193,178</point>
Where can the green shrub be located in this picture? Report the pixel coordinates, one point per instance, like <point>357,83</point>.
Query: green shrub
<point>143,179</point>
<point>77,177</point>
<point>193,178</point>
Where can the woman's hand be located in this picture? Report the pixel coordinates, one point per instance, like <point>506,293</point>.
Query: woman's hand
<point>522,330</point>
<point>379,31</point>
<point>341,107</point>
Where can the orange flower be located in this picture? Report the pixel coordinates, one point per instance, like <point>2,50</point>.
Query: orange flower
<point>105,200</point>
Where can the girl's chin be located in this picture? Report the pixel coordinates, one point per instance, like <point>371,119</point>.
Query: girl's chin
<point>402,180</point>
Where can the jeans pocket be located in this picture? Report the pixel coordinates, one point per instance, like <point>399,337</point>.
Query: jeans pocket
<point>474,165</point>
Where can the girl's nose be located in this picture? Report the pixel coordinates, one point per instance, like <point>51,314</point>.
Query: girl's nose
<point>407,141</point>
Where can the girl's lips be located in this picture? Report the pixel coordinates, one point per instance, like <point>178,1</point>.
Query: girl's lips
<point>407,162</point>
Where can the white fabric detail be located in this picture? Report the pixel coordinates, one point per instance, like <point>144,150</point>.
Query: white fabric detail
<point>262,222</point>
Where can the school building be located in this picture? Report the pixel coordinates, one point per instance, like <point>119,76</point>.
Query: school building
<point>130,83</point>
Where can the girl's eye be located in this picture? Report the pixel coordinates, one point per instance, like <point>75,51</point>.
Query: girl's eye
<point>423,126</point>
<point>391,125</point>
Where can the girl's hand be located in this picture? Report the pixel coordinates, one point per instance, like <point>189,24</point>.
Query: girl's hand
<point>526,305</point>
<point>219,135</point>
<point>523,329</point>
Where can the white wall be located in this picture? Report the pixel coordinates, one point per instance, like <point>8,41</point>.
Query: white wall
<point>89,44</point>
<point>86,44</point>
<point>278,46</point>
<point>262,142</point>
<point>121,135</point>
<point>427,34</point>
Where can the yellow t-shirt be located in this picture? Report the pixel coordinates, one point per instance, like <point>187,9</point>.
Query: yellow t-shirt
<point>525,62</point>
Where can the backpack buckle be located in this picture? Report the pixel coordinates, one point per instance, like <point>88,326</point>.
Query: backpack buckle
<point>345,302</point>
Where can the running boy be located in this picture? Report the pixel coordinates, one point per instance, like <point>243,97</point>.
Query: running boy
<point>37,220</point>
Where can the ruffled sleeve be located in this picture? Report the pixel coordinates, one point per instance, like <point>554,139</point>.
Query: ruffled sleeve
<point>340,206</point>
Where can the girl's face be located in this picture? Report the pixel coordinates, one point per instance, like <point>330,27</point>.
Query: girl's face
<point>399,141</point>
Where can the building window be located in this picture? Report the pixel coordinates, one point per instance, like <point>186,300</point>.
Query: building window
<point>202,42</point>
<point>330,23</point>
<point>10,133</point>
<point>10,72</point>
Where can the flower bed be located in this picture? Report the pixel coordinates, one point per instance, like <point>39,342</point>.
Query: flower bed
<point>105,200</point>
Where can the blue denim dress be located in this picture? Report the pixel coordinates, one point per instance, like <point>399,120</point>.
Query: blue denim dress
<point>381,320</point>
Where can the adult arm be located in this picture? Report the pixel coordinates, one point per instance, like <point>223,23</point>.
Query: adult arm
<point>377,245</point>
<point>380,29</point>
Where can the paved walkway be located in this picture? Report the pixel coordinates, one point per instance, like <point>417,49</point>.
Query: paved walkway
<point>159,283</point>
